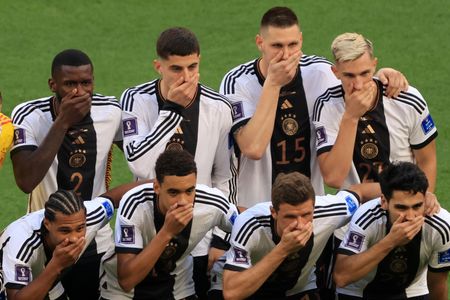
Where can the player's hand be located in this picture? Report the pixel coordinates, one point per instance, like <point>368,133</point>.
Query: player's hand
<point>183,90</point>
<point>358,102</point>
<point>177,217</point>
<point>213,255</point>
<point>283,69</point>
<point>396,82</point>
<point>403,231</point>
<point>67,252</point>
<point>73,109</point>
<point>295,236</point>
<point>432,205</point>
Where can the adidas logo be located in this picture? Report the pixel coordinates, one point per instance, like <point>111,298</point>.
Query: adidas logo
<point>78,141</point>
<point>286,104</point>
<point>368,130</point>
<point>179,130</point>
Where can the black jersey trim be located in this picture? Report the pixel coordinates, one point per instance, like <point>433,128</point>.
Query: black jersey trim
<point>422,145</point>
<point>438,270</point>
<point>14,286</point>
<point>233,183</point>
<point>127,99</point>
<point>212,94</point>
<point>28,247</point>
<point>22,148</point>
<point>249,227</point>
<point>28,108</point>
<point>307,60</point>
<point>101,100</point>
<point>344,252</point>
<point>134,200</point>
<point>238,125</point>
<point>336,209</point>
<point>233,268</point>
<point>165,127</point>
<point>212,199</point>
<point>441,226</point>
<point>232,76</point>
<point>324,149</point>
<point>128,250</point>
<point>95,217</point>
<point>328,95</point>
<point>370,216</point>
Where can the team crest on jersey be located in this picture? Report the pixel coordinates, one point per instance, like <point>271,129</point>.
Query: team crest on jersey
<point>427,124</point>
<point>321,135</point>
<point>23,273</point>
<point>351,204</point>
<point>240,255</point>
<point>369,148</point>
<point>355,240</point>
<point>444,257</point>
<point>19,136</point>
<point>129,127</point>
<point>238,111</point>
<point>289,124</point>
<point>127,234</point>
<point>77,158</point>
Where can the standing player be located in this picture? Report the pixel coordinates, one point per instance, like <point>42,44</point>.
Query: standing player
<point>41,249</point>
<point>273,99</point>
<point>158,224</point>
<point>176,111</point>
<point>390,245</point>
<point>274,245</point>
<point>63,141</point>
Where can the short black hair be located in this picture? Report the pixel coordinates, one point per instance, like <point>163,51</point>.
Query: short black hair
<point>177,41</point>
<point>70,57</point>
<point>402,176</point>
<point>280,17</point>
<point>292,188</point>
<point>63,201</point>
<point>174,163</point>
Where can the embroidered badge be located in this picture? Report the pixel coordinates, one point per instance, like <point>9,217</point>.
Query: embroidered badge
<point>233,217</point>
<point>129,127</point>
<point>444,257</point>
<point>355,240</point>
<point>19,136</point>
<point>321,135</point>
<point>427,124</point>
<point>352,206</point>
<point>109,210</point>
<point>127,234</point>
<point>238,111</point>
<point>23,274</point>
<point>240,255</point>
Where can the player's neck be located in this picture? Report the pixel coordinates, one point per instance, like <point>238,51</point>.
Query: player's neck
<point>56,104</point>
<point>263,67</point>
<point>164,90</point>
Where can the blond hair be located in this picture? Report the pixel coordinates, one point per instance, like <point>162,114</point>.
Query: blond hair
<point>350,46</point>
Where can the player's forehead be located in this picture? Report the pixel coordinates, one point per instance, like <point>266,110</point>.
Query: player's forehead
<point>406,198</point>
<point>182,61</point>
<point>280,33</point>
<point>72,220</point>
<point>297,209</point>
<point>180,183</point>
<point>364,62</point>
<point>67,72</point>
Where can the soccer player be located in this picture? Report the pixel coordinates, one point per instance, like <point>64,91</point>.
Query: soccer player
<point>176,111</point>
<point>390,245</point>
<point>157,226</point>
<point>41,249</point>
<point>63,141</point>
<point>275,245</point>
<point>273,98</point>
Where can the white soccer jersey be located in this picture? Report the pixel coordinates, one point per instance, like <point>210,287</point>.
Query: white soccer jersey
<point>292,147</point>
<point>150,125</point>
<point>253,237</point>
<point>139,220</point>
<point>83,157</point>
<point>403,272</point>
<point>23,252</point>
<point>387,133</point>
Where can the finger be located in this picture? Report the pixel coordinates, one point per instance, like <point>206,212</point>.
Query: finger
<point>400,219</point>
<point>277,57</point>
<point>177,83</point>
<point>383,78</point>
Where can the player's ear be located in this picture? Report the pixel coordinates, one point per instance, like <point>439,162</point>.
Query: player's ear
<point>259,41</point>
<point>157,66</point>
<point>47,224</point>
<point>384,203</point>
<point>52,85</point>
<point>273,212</point>
<point>156,186</point>
<point>335,71</point>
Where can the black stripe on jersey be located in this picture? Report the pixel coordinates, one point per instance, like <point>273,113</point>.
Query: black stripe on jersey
<point>336,209</point>
<point>230,78</point>
<point>307,60</point>
<point>30,244</point>
<point>134,200</point>
<point>212,199</point>
<point>233,183</point>
<point>166,126</point>
<point>127,99</point>
<point>21,113</point>
<point>95,217</point>
<point>410,99</point>
<point>212,94</point>
<point>250,226</point>
<point>441,226</point>
<point>333,92</point>
<point>100,100</point>
<point>370,216</point>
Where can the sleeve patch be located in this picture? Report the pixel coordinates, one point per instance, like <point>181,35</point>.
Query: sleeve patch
<point>321,135</point>
<point>355,240</point>
<point>23,274</point>
<point>427,124</point>
<point>233,218</point>
<point>351,205</point>
<point>127,234</point>
<point>240,255</point>
<point>19,136</point>
<point>238,111</point>
<point>444,257</point>
<point>129,127</point>
<point>109,210</point>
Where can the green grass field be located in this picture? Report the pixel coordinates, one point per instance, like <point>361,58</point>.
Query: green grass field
<point>412,36</point>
